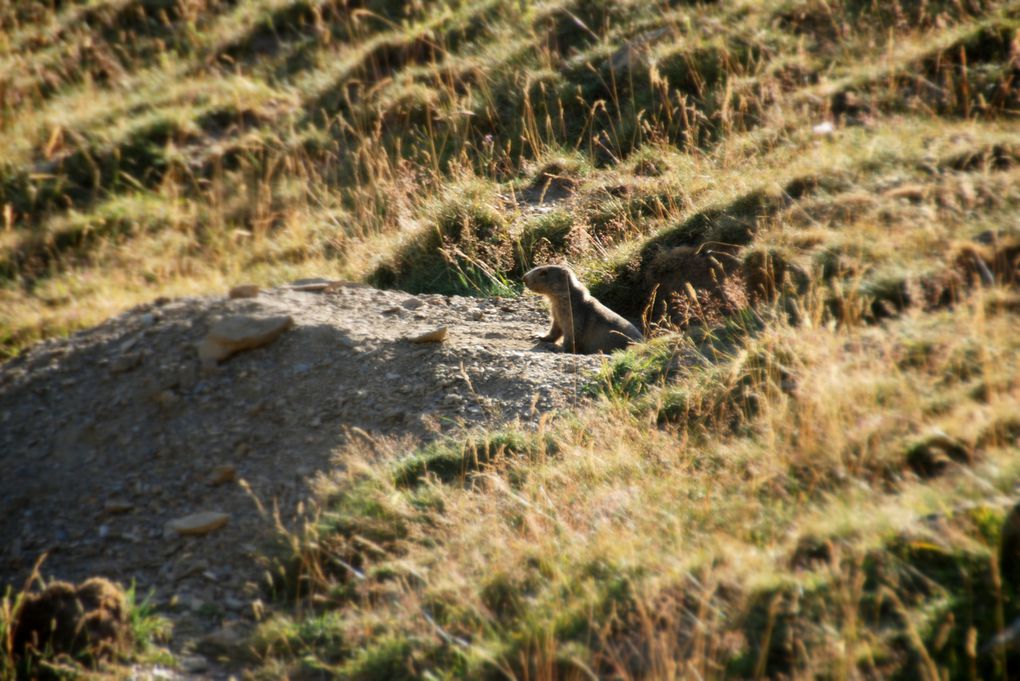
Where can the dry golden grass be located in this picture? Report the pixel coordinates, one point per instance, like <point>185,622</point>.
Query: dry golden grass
<point>593,546</point>
<point>811,487</point>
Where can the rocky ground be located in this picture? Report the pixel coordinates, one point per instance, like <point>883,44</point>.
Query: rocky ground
<point>113,433</point>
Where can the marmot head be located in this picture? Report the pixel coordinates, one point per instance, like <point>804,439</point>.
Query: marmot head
<point>551,280</point>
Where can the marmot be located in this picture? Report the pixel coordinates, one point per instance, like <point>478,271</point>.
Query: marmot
<point>587,326</point>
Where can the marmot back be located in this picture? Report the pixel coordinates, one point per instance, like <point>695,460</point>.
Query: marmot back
<point>586,325</point>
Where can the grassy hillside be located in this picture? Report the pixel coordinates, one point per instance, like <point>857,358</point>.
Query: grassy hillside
<point>813,205</point>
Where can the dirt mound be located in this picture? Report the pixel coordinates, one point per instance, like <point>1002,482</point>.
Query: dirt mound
<point>113,433</point>
<point>694,286</point>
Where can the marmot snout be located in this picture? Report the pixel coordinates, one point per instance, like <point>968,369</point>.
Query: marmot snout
<point>586,325</point>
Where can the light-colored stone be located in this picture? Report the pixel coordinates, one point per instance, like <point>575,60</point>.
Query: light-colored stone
<point>313,285</point>
<point>241,333</point>
<point>117,506</point>
<point>238,333</point>
<point>211,353</point>
<point>198,524</point>
<point>310,281</point>
<point>194,664</point>
<point>244,291</point>
<point>221,475</point>
<point>435,336</point>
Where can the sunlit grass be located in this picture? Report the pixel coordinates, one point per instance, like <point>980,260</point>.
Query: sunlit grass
<point>611,518</point>
<point>806,482</point>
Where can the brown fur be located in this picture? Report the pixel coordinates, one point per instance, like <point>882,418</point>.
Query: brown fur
<point>586,325</point>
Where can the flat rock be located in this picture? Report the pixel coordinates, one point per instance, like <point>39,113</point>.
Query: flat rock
<point>314,285</point>
<point>198,524</point>
<point>434,336</point>
<point>117,506</point>
<point>311,288</point>
<point>310,281</point>
<point>241,333</point>
<point>234,334</point>
<point>194,664</point>
<point>211,352</point>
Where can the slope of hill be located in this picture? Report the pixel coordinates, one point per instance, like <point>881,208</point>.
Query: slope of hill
<point>812,205</point>
<point>117,431</point>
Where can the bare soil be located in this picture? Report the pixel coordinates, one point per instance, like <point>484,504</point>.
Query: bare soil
<point>109,434</point>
